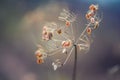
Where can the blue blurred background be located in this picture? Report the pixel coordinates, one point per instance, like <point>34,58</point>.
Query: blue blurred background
<point>21,19</point>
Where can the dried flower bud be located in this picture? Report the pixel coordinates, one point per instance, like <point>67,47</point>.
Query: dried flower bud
<point>89,30</point>
<point>40,61</point>
<point>59,31</point>
<point>40,55</point>
<point>67,23</point>
<point>92,20</point>
<point>87,16</point>
<point>93,7</point>
<point>66,44</point>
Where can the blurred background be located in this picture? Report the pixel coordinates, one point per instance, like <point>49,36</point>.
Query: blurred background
<point>20,20</point>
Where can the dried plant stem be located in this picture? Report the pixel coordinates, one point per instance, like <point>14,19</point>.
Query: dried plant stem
<point>75,64</point>
<point>68,56</point>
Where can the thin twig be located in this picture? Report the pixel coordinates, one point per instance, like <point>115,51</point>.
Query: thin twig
<point>83,33</point>
<point>68,56</point>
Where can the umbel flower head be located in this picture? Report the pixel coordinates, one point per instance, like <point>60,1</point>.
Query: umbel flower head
<point>62,39</point>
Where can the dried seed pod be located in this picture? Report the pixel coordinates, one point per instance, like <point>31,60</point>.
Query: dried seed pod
<point>92,20</point>
<point>89,30</point>
<point>40,61</point>
<point>93,7</point>
<point>38,54</point>
<point>50,35</point>
<point>67,23</point>
<point>87,16</point>
<point>47,33</point>
<point>66,44</point>
<point>47,36</point>
<point>59,31</point>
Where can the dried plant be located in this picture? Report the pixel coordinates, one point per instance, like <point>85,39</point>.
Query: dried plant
<point>59,39</point>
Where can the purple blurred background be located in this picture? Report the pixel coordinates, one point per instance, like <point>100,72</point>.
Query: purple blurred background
<point>21,19</point>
